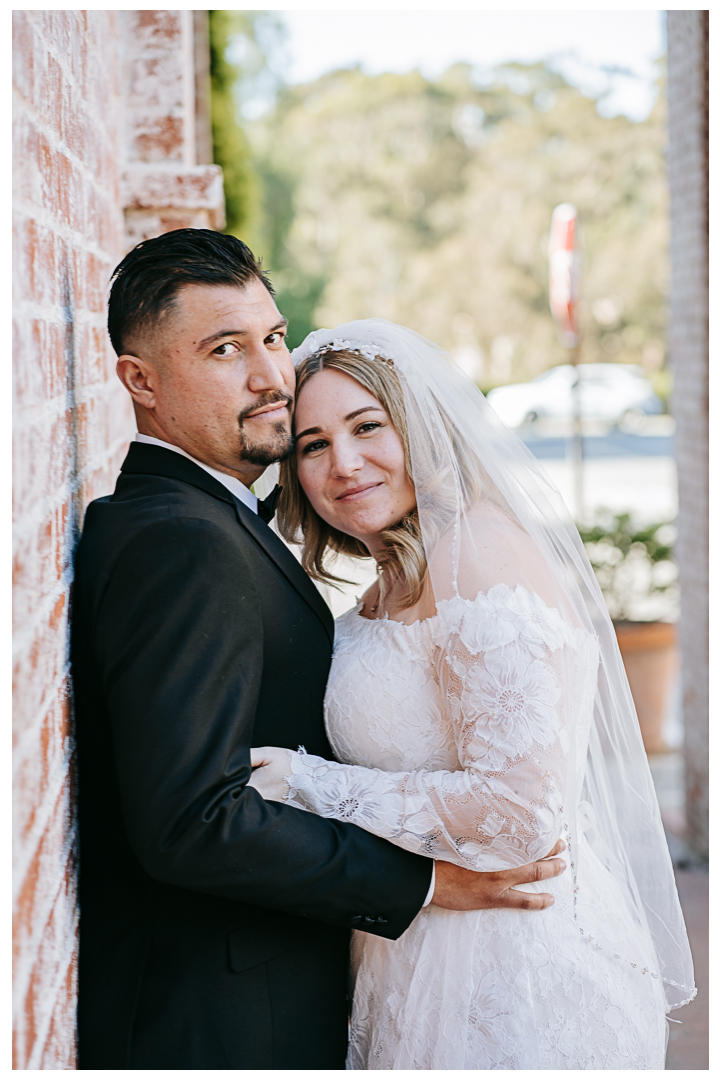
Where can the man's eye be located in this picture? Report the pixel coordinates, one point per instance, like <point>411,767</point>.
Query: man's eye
<point>226,349</point>
<point>275,338</point>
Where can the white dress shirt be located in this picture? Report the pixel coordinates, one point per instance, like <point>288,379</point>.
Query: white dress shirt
<point>238,489</point>
<point>246,496</point>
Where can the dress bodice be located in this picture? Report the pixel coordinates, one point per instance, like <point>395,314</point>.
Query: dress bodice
<point>383,703</point>
<point>453,737</point>
<point>385,706</point>
<point>453,733</point>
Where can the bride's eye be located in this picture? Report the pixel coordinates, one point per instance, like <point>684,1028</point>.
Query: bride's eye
<point>310,447</point>
<point>368,426</point>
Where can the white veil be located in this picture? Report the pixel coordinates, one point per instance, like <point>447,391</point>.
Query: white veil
<point>488,513</point>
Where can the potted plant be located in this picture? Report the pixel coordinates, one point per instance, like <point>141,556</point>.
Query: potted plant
<point>638,577</point>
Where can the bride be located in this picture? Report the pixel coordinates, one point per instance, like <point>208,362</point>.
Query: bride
<point>478,709</point>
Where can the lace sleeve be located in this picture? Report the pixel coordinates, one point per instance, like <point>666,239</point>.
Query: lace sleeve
<point>501,662</point>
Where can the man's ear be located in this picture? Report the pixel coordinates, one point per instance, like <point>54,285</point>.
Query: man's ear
<point>139,378</point>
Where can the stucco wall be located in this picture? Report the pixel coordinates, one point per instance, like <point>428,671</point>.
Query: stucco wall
<point>104,153</point>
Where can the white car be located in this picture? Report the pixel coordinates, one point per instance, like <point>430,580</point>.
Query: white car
<point>613,393</point>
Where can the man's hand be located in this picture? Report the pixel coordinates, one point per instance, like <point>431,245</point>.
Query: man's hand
<point>466,890</point>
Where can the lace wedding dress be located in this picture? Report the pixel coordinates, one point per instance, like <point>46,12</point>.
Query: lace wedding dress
<point>452,737</point>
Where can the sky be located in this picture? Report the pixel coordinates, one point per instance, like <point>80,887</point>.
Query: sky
<point>603,52</point>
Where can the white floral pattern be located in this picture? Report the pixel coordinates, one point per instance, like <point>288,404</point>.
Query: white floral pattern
<point>450,735</point>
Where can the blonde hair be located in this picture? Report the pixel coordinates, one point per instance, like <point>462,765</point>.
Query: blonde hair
<point>300,524</point>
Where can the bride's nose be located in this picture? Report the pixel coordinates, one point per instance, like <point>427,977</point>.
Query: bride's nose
<point>346,461</point>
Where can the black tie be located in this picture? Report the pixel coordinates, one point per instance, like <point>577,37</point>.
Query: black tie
<point>266,507</point>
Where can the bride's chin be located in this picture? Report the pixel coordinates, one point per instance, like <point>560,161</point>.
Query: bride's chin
<point>370,537</point>
<point>363,527</point>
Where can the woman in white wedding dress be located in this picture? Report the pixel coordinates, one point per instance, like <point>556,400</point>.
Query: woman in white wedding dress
<point>478,710</point>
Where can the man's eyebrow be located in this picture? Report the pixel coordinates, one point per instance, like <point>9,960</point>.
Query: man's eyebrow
<point>237,333</point>
<point>350,416</point>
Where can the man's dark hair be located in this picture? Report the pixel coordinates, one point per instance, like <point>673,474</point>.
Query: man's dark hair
<point>147,281</point>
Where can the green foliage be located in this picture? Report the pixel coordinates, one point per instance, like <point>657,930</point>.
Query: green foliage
<point>230,145</point>
<point>429,203</point>
<point>244,51</point>
<point>634,566</point>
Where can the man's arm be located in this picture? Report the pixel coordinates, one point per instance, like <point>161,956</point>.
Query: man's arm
<point>180,651</point>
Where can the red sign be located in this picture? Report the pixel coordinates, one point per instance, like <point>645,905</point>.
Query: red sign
<point>565,274</point>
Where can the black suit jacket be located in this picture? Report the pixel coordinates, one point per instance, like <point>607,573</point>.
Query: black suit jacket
<point>214,925</point>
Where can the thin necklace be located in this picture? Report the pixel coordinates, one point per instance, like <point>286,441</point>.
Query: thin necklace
<point>374,607</point>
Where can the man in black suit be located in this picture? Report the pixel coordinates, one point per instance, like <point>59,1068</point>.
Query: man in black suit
<point>214,925</point>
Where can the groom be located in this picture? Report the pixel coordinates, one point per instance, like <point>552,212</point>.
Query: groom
<point>214,925</point>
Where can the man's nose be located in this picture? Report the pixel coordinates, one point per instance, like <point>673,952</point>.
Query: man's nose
<point>266,373</point>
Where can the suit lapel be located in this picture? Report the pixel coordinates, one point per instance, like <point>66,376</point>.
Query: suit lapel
<point>157,461</point>
<point>286,562</point>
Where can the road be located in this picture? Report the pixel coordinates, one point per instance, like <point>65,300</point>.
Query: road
<point>621,471</point>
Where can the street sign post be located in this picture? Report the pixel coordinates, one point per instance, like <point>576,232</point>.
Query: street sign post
<point>564,267</point>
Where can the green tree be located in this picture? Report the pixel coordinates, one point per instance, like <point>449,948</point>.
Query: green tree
<point>230,145</point>
<point>242,47</point>
<point>429,203</point>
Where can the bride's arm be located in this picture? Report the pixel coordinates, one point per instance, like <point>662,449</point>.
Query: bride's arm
<point>506,703</point>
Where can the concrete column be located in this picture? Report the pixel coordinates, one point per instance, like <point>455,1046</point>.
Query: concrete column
<point>687,33</point>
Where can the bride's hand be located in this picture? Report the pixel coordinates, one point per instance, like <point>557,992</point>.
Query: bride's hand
<point>271,764</point>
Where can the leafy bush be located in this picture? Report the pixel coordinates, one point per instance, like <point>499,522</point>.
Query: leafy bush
<point>634,566</point>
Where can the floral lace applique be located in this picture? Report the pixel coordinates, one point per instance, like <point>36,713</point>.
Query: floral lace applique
<point>450,736</point>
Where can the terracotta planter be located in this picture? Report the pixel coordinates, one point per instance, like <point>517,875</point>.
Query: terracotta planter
<point>650,655</point>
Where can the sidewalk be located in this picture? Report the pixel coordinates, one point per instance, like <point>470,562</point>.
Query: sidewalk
<point>688,1043</point>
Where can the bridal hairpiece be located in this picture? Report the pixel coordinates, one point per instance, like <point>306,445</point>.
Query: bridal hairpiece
<point>369,351</point>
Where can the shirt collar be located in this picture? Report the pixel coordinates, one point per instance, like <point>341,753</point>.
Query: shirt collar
<point>234,486</point>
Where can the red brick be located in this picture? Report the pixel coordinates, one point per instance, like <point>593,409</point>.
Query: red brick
<point>39,769</point>
<point>74,106</point>
<point>41,375</point>
<point>26,176</point>
<point>42,459</point>
<point>91,274</point>
<point>42,952</point>
<point>23,52</point>
<point>161,140</point>
<point>159,27</point>
<point>42,555</point>
<point>94,358</point>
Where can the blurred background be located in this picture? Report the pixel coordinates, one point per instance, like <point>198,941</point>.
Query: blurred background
<point>407,165</point>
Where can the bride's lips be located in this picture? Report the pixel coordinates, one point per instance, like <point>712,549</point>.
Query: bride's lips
<point>357,493</point>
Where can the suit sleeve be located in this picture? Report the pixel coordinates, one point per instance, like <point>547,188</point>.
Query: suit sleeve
<point>181,653</point>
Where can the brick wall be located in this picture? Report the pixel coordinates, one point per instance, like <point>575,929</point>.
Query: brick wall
<point>86,172</point>
<point>688,169</point>
<point>71,425</point>
<point>164,187</point>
